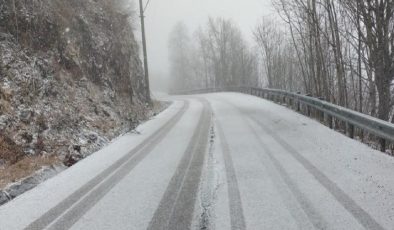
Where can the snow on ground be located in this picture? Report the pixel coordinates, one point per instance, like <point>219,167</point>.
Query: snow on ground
<point>289,171</point>
<point>48,194</point>
<point>142,189</point>
<point>361,172</point>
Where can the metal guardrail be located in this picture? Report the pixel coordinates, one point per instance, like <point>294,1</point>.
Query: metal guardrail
<point>324,110</point>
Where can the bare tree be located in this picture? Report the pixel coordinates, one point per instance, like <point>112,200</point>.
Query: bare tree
<point>377,34</point>
<point>180,48</point>
<point>219,58</point>
<point>344,49</point>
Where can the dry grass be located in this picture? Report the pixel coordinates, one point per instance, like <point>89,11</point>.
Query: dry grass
<point>5,97</point>
<point>24,168</point>
<point>159,106</point>
<point>10,153</point>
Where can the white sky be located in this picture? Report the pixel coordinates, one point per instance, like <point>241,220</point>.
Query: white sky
<point>162,15</point>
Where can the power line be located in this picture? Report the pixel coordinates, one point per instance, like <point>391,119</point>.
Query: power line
<point>147,3</point>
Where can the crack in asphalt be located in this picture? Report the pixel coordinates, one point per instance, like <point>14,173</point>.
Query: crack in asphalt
<point>209,187</point>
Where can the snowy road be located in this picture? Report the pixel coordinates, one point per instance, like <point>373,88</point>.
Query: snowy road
<point>218,161</point>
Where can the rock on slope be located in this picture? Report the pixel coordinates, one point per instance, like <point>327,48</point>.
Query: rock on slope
<point>70,80</point>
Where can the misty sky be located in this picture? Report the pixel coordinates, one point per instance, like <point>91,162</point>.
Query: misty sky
<point>162,15</point>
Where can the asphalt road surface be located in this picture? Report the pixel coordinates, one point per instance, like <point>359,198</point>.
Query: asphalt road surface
<point>218,161</point>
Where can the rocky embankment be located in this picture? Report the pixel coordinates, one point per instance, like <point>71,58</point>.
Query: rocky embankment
<point>70,80</point>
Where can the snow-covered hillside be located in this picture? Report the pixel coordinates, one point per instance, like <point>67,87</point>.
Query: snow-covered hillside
<point>70,80</point>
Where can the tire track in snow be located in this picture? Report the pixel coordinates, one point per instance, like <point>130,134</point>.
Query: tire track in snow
<point>68,211</point>
<point>176,208</point>
<point>235,202</point>
<point>364,218</point>
<point>275,169</point>
<point>286,187</point>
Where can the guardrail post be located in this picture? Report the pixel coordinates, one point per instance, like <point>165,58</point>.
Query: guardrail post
<point>344,125</point>
<point>308,110</point>
<point>298,106</point>
<point>330,121</point>
<point>383,145</point>
<point>321,113</point>
<point>321,116</point>
<point>350,130</point>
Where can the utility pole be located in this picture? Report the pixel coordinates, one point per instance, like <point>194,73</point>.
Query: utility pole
<point>144,48</point>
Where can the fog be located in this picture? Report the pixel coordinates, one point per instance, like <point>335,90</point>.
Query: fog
<point>161,16</point>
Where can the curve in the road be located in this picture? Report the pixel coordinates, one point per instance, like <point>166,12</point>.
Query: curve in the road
<point>176,208</point>
<point>67,212</point>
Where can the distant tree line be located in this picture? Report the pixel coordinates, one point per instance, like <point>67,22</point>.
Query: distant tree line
<point>213,56</point>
